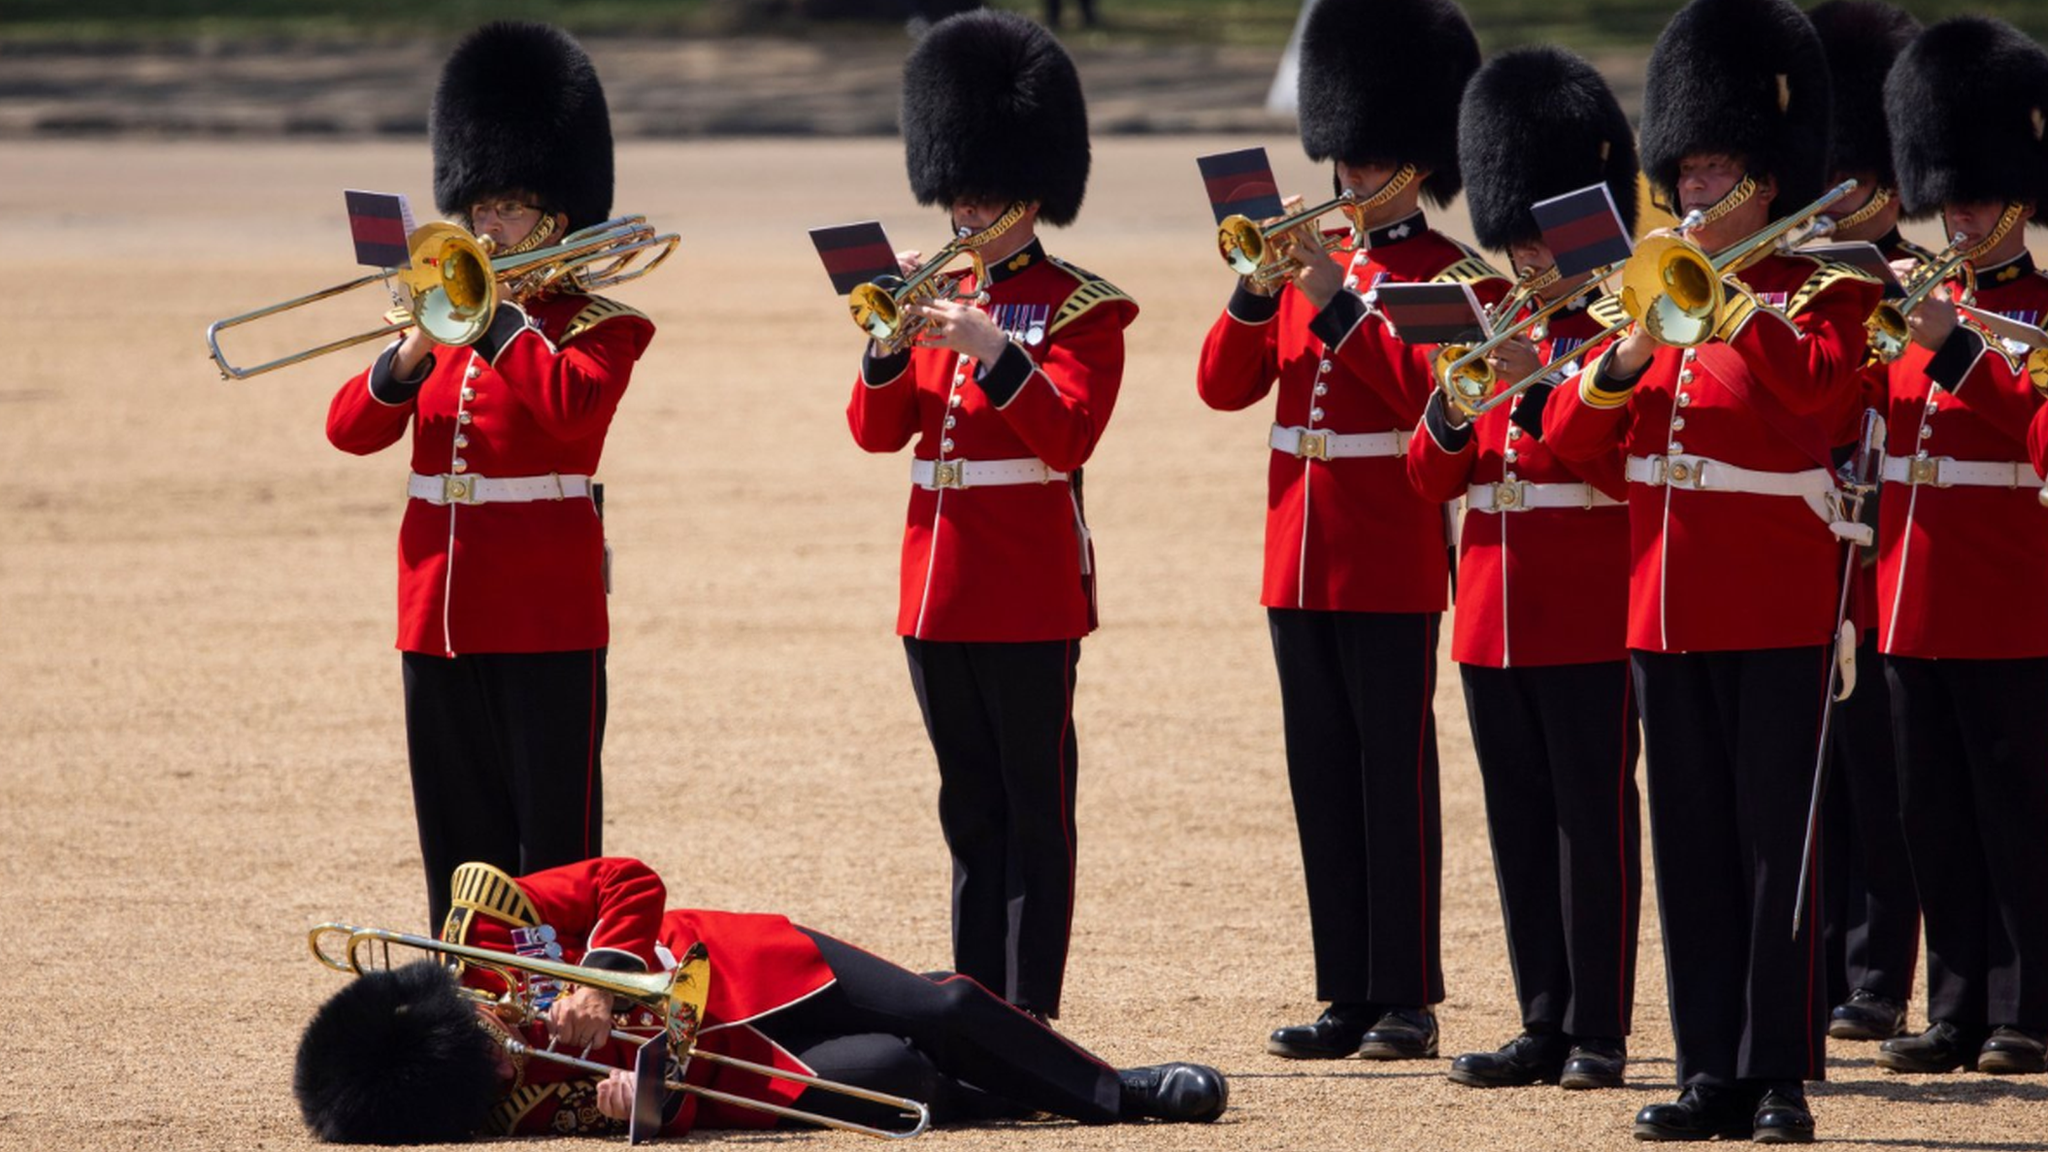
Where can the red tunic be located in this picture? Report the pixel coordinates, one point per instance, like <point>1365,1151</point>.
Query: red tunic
<point>1959,568</point>
<point>1542,585</point>
<point>1012,562</point>
<point>1722,571</point>
<point>608,913</point>
<point>505,577</point>
<point>1346,534</point>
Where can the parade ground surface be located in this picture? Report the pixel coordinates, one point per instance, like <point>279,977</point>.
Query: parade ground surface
<point>201,744</point>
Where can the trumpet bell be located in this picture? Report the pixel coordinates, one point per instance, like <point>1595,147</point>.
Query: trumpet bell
<point>1242,244</point>
<point>875,309</point>
<point>1887,332</point>
<point>1467,380</point>
<point>1674,290</point>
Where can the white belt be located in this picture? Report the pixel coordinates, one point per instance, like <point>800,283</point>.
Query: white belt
<point>1319,444</point>
<point>1702,474</point>
<point>1519,495</point>
<point>981,473</point>
<point>464,489</point>
<point>1946,471</point>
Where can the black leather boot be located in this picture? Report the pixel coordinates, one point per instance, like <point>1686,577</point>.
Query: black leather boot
<point>1527,1059</point>
<point>1595,1063</point>
<point>2013,1052</point>
<point>1866,1016</point>
<point>1335,1034</point>
<point>1782,1116</point>
<point>1401,1034</point>
<point>1944,1047</point>
<point>1701,1112</point>
<point>1186,1093</point>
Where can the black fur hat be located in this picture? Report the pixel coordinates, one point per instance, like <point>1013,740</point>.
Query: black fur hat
<point>992,107</point>
<point>1380,82</point>
<point>1744,77</point>
<point>1537,123</point>
<point>1968,108</point>
<point>519,106</point>
<point>396,1058</point>
<point>1862,38</point>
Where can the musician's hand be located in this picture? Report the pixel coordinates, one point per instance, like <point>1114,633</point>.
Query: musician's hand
<point>615,1095</point>
<point>580,1018</point>
<point>1634,352</point>
<point>1934,320</point>
<point>909,261</point>
<point>1319,278</point>
<point>1515,359</point>
<point>413,347</point>
<point>960,327</point>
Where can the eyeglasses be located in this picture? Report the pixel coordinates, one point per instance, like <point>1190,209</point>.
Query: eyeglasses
<point>508,211</point>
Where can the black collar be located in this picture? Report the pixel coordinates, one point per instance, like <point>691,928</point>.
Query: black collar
<point>1015,262</point>
<point>1406,228</point>
<point>2013,269</point>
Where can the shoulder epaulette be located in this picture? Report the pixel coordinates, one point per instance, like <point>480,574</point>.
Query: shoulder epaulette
<point>1826,274</point>
<point>505,1117</point>
<point>480,887</point>
<point>1607,311</point>
<point>1471,269</point>
<point>599,310</point>
<point>1092,290</point>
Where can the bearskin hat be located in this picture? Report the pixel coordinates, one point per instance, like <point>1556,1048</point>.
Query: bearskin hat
<point>1861,39</point>
<point>396,1058</point>
<point>1380,82</point>
<point>519,106</point>
<point>992,108</point>
<point>1537,123</point>
<point>1743,77</point>
<point>1966,103</point>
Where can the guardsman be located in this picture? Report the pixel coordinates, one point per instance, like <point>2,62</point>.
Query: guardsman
<point>1963,541</point>
<point>1005,401</point>
<point>501,581</point>
<point>1543,595</point>
<point>1356,566</point>
<point>398,1057</point>
<point>1733,589</point>
<point>1870,910</point>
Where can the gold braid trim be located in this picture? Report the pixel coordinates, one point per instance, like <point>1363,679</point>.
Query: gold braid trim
<point>505,1118</point>
<point>1826,274</point>
<point>1469,270</point>
<point>1595,396</point>
<point>480,887</point>
<point>594,313</point>
<point>1607,311</point>
<point>1093,290</point>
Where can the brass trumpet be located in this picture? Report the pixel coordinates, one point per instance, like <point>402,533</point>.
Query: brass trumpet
<point>454,284</point>
<point>674,999</point>
<point>880,306</point>
<point>1248,247</point>
<point>1887,325</point>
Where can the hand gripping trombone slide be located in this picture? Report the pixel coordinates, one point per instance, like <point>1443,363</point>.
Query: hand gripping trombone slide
<point>674,999</point>
<point>1866,472</point>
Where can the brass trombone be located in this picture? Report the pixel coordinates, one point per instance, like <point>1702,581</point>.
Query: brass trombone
<point>1887,325</point>
<point>454,283</point>
<point>1248,247</point>
<point>674,999</point>
<point>1674,289</point>
<point>880,306</point>
<point>1462,370</point>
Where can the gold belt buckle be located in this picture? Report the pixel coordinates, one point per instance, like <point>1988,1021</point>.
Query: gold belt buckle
<point>948,474</point>
<point>1509,496</point>
<point>1925,470</point>
<point>458,489</point>
<point>1681,472</point>
<point>1313,445</point>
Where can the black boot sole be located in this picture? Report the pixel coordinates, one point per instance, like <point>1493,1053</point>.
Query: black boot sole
<point>2009,1064</point>
<point>1377,1050</point>
<point>1782,1136</point>
<point>1587,1081</point>
<point>1854,1030</point>
<point>1894,1062</point>
<point>1660,1134</point>
<point>1298,1052</point>
<point>1478,1080</point>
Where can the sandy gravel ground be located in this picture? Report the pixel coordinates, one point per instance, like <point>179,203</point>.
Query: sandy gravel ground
<point>200,739</point>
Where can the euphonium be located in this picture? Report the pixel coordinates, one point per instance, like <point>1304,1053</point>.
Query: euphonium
<point>881,306</point>
<point>1889,333</point>
<point>1676,291</point>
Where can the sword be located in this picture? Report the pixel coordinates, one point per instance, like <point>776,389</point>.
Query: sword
<point>1865,472</point>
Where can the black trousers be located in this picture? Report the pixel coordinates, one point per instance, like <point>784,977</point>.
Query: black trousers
<point>1001,722</point>
<point>1869,906</point>
<point>943,1040</point>
<point>1355,696</point>
<point>506,752</point>
<point>1557,751</point>
<point>1973,771</point>
<point>1730,739</point>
